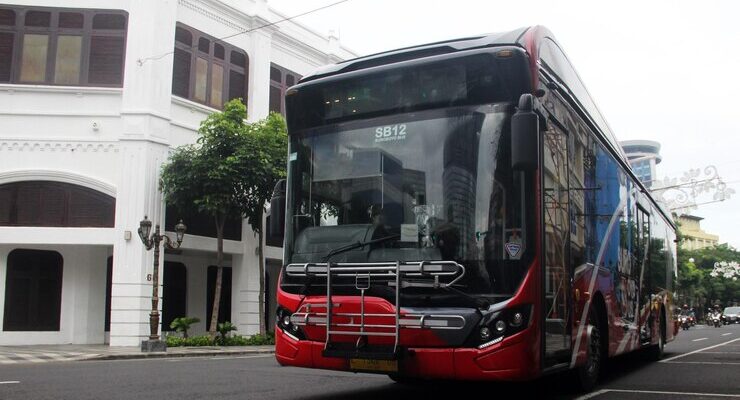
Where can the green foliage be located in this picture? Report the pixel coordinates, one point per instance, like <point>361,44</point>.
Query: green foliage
<point>261,340</point>
<point>233,340</point>
<point>697,287</point>
<point>183,324</point>
<point>233,167</point>
<point>228,173</point>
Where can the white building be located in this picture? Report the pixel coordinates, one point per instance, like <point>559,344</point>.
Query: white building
<point>92,98</point>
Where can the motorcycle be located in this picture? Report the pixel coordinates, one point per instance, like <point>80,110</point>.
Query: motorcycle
<point>716,319</point>
<point>685,323</point>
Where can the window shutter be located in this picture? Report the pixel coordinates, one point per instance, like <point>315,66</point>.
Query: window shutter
<point>204,45</point>
<point>109,21</point>
<point>6,55</point>
<point>53,210</point>
<point>6,205</point>
<point>183,36</point>
<point>276,75</point>
<point>70,20</point>
<point>33,295</point>
<point>7,17</point>
<point>218,51</point>
<point>28,204</point>
<point>38,18</point>
<point>88,209</point>
<point>237,86</point>
<point>181,74</point>
<point>106,60</point>
<point>275,99</point>
<point>238,59</point>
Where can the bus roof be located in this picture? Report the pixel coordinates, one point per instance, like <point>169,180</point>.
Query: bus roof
<point>529,38</point>
<point>532,40</point>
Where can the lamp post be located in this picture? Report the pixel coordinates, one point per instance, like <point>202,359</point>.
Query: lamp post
<point>153,241</point>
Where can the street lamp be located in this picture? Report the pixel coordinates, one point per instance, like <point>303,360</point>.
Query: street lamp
<point>153,241</point>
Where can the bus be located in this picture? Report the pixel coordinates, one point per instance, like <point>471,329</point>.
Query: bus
<point>461,210</point>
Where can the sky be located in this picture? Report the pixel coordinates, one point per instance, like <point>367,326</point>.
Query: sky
<point>658,70</point>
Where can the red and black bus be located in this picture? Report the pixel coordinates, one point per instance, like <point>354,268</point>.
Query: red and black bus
<point>462,210</point>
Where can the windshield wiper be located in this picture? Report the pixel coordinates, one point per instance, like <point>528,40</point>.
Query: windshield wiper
<point>478,302</point>
<point>358,245</point>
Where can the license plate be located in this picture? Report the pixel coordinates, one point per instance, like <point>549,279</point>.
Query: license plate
<point>361,364</point>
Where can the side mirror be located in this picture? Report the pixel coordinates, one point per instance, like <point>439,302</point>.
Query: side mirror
<point>277,211</point>
<point>525,135</point>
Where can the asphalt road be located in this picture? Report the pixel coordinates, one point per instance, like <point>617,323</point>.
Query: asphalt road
<point>703,363</point>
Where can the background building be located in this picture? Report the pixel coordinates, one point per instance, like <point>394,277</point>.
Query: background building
<point>93,95</point>
<point>694,238</point>
<point>643,156</point>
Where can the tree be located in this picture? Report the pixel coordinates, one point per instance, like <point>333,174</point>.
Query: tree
<point>229,172</point>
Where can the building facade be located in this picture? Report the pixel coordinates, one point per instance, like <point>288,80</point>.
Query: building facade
<point>643,156</point>
<point>695,238</point>
<point>93,96</point>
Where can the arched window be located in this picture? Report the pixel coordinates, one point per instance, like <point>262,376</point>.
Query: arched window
<point>56,204</point>
<point>33,290</point>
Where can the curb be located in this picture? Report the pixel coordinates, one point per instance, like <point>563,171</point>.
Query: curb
<point>134,356</point>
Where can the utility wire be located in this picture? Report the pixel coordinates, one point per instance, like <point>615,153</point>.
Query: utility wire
<point>142,61</point>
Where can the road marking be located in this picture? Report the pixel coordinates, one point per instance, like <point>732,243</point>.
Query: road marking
<point>604,391</point>
<point>698,351</point>
<point>704,362</point>
<point>728,333</point>
<point>9,382</point>
<point>700,339</point>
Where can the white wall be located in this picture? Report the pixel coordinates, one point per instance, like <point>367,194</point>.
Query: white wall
<point>83,296</point>
<point>115,139</point>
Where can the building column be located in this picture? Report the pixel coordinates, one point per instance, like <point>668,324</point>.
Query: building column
<point>138,195</point>
<point>258,92</point>
<point>144,146</point>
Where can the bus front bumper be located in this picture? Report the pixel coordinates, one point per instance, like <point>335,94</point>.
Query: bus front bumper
<point>511,360</point>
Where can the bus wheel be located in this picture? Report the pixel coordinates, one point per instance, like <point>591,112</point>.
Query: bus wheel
<point>588,373</point>
<point>655,352</point>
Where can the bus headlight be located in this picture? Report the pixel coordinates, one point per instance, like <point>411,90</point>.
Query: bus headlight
<point>485,333</point>
<point>285,324</point>
<point>497,325</point>
<point>517,319</point>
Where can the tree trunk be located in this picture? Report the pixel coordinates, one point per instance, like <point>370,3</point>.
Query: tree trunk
<point>220,219</point>
<point>263,322</point>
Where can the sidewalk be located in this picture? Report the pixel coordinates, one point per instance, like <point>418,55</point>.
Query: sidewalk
<point>73,352</point>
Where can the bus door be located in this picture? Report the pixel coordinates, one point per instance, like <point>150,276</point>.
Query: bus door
<point>556,252</point>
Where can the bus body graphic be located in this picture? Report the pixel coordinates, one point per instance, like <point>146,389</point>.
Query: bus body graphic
<point>462,210</point>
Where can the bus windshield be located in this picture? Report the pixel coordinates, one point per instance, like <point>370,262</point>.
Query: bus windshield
<point>437,183</point>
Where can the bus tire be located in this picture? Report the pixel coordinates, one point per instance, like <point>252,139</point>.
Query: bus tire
<point>588,373</point>
<point>655,352</point>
